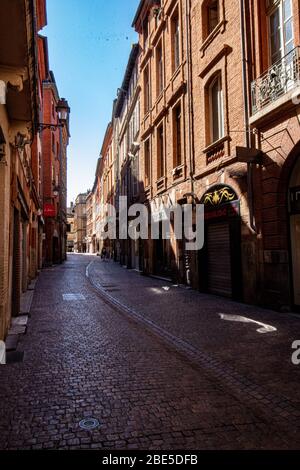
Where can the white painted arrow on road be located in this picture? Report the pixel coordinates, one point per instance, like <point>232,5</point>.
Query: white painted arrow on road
<point>264,328</point>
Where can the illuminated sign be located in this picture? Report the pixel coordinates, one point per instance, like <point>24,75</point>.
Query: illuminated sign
<point>49,210</point>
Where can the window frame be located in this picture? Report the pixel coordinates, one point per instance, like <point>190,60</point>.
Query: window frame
<point>160,134</point>
<point>177,156</point>
<point>147,90</point>
<point>135,175</point>
<point>271,8</point>
<point>147,159</point>
<point>208,17</point>
<point>146,37</point>
<point>176,40</point>
<point>159,69</point>
<point>221,118</point>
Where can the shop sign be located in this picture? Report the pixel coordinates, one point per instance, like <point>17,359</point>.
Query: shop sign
<point>49,210</point>
<point>227,210</point>
<point>218,195</point>
<point>220,202</point>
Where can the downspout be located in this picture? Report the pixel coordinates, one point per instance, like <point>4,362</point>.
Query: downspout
<point>246,115</point>
<point>189,94</point>
<point>188,260</point>
<point>62,220</point>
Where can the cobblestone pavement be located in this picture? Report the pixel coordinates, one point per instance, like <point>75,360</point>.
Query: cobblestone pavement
<point>158,368</point>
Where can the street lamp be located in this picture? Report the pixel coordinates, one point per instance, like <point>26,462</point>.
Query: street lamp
<point>63,111</point>
<point>56,191</point>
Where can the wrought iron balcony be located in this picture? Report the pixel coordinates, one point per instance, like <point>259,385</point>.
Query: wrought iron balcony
<point>280,79</point>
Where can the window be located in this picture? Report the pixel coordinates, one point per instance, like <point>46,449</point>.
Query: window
<point>175,42</point>
<point>134,124</point>
<point>135,175</point>
<point>53,142</point>
<point>159,69</point>
<point>212,15</point>
<point>146,33</point>
<point>177,136</point>
<point>216,110</point>
<point>137,118</point>
<point>160,152</point>
<point>146,90</point>
<point>147,163</point>
<point>157,11</point>
<point>40,174</point>
<point>281,35</point>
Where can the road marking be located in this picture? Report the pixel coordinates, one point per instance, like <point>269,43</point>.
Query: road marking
<point>238,383</point>
<point>73,297</point>
<point>264,328</point>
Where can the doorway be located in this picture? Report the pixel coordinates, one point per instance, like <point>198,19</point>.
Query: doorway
<point>219,259</point>
<point>294,210</point>
<point>295,247</point>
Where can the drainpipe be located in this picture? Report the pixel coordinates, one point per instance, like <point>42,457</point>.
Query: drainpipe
<point>245,77</point>
<point>189,93</point>
<point>188,260</point>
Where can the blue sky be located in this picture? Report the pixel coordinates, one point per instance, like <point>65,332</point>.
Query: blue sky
<point>89,44</point>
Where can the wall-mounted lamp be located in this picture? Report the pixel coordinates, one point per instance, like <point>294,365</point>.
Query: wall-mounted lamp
<point>63,111</point>
<point>56,190</point>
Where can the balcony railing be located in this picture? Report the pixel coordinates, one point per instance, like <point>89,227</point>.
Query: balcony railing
<point>281,78</point>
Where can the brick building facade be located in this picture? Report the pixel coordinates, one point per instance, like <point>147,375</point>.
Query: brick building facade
<point>21,221</point>
<point>70,229</point>
<point>23,70</point>
<point>80,223</point>
<point>104,189</point>
<point>126,137</point>
<point>55,142</point>
<point>219,125</point>
<point>165,131</point>
<point>239,139</point>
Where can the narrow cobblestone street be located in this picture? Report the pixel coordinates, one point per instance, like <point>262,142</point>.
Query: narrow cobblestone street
<point>155,378</point>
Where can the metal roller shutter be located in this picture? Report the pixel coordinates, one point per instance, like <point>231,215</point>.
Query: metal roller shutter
<point>219,264</point>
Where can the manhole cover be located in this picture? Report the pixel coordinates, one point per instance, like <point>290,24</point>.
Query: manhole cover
<point>89,423</point>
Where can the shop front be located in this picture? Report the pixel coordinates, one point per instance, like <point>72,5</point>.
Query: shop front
<point>294,213</point>
<point>220,260</point>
